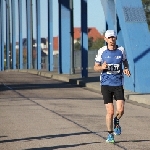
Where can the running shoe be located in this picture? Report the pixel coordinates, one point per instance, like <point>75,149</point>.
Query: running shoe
<point>117,130</point>
<point>110,138</point>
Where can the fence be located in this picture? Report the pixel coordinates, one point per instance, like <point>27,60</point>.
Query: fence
<point>77,60</point>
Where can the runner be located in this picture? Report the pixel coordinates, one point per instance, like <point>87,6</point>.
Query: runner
<point>109,62</point>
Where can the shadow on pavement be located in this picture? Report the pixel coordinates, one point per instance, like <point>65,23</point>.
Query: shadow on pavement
<point>132,141</point>
<point>61,146</point>
<point>44,137</point>
<point>83,81</point>
<point>35,86</point>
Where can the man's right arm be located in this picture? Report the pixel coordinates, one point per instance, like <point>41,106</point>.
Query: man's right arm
<point>99,68</point>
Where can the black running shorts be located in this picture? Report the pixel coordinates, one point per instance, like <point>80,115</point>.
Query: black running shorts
<point>110,92</point>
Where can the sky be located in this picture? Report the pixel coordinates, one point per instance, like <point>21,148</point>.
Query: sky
<point>95,17</point>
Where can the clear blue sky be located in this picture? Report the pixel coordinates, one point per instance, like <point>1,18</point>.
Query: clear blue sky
<point>95,16</point>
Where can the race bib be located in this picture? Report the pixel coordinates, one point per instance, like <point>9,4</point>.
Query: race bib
<point>113,69</point>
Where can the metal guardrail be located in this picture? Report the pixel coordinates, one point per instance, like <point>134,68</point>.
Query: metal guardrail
<point>77,60</point>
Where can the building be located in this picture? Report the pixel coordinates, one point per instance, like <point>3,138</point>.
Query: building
<point>92,33</point>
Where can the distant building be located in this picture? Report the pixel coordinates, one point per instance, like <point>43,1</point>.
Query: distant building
<point>17,45</point>
<point>92,33</point>
<point>43,43</point>
<point>24,42</point>
<point>55,46</point>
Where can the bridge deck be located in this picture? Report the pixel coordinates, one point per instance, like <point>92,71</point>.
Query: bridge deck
<point>43,113</point>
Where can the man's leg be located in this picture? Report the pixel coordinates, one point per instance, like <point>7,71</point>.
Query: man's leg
<point>119,94</point>
<point>108,101</point>
<point>109,122</point>
<point>119,113</point>
<point>120,108</point>
<point>109,116</point>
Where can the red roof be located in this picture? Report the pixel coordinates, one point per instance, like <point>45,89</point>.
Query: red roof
<point>92,32</point>
<point>55,43</point>
<point>77,33</point>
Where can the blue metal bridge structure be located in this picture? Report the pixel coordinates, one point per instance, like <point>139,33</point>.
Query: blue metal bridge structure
<point>126,17</point>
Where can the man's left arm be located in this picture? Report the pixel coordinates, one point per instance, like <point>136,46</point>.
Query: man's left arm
<point>126,70</point>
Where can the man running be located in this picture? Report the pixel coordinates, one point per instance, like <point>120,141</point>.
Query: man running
<point>109,62</point>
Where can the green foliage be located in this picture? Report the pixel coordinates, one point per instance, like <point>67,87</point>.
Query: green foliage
<point>92,45</point>
<point>77,46</point>
<point>4,56</point>
<point>4,52</point>
<point>146,5</point>
<point>97,44</point>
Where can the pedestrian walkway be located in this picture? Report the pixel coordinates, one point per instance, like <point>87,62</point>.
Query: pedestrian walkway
<point>92,83</point>
<point>40,113</point>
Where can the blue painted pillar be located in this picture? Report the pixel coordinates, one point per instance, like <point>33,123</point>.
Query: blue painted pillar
<point>20,34</point>
<point>134,28</point>
<point>2,35</point>
<point>64,37</point>
<point>7,34</point>
<point>50,35</point>
<point>110,14</point>
<point>84,39</point>
<point>29,36</point>
<point>38,33</point>
<point>13,34</point>
<point>72,36</point>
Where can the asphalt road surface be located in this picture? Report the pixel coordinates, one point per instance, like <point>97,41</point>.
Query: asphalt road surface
<point>38,113</point>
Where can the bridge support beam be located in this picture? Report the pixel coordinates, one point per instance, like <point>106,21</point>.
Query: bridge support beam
<point>134,28</point>
<point>8,49</point>
<point>29,32</point>
<point>20,34</point>
<point>84,39</point>
<point>13,54</point>
<point>38,32</point>
<point>50,35</point>
<point>64,37</point>
<point>1,36</point>
<point>129,20</point>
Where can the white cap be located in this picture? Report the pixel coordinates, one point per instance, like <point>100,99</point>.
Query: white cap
<point>110,33</point>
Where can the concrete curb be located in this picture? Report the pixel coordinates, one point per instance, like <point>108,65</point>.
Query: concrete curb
<point>143,99</point>
<point>84,82</point>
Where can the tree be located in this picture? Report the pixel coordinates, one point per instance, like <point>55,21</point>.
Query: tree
<point>90,42</point>
<point>97,44</point>
<point>77,45</point>
<point>92,45</point>
<point>146,5</point>
<point>24,56</point>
